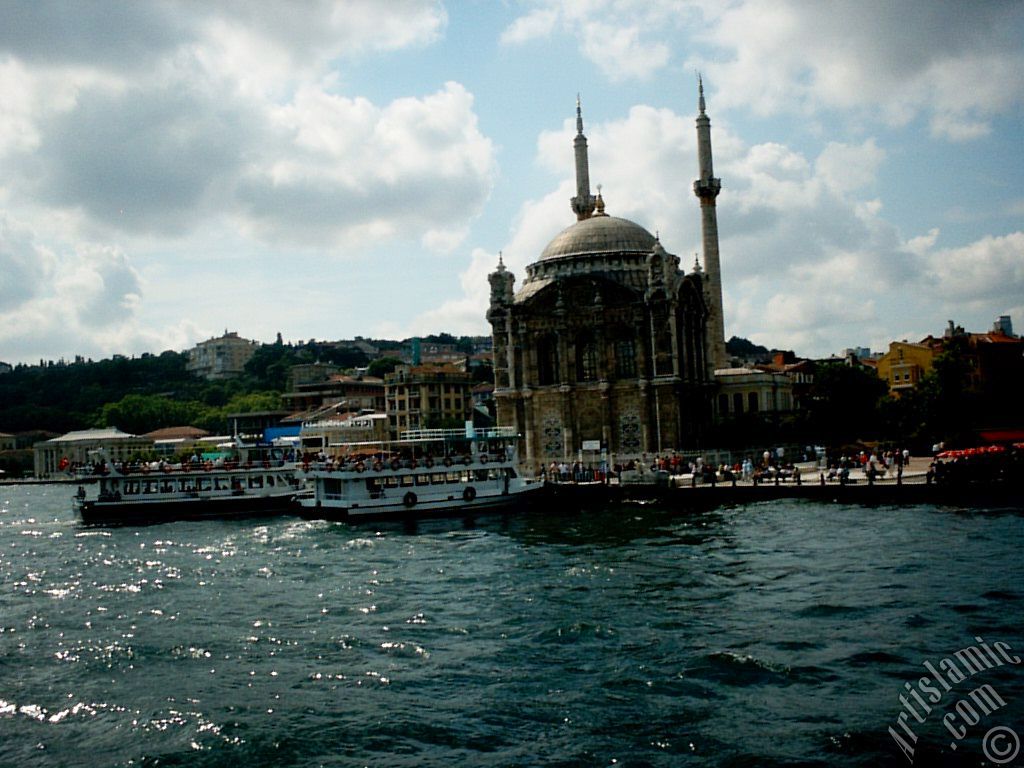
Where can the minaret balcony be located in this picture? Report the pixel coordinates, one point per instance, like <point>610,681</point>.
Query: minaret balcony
<point>707,187</point>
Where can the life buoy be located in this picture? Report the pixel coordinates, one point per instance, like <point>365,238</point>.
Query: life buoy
<point>167,467</point>
<point>467,459</point>
<point>395,464</point>
<point>448,461</point>
<point>377,466</point>
<point>469,494</point>
<point>145,469</point>
<point>428,462</point>
<point>409,499</point>
<point>483,458</point>
<point>360,467</point>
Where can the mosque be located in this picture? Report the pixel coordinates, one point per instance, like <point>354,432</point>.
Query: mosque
<point>608,345</point>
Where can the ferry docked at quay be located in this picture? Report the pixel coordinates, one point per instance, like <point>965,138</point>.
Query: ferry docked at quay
<point>257,481</point>
<point>430,472</point>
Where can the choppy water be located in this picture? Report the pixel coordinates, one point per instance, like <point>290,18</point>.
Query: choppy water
<point>777,634</point>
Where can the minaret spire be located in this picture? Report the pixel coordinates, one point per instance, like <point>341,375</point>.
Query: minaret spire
<point>583,203</point>
<point>706,188</point>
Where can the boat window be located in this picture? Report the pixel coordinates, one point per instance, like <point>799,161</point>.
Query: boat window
<point>391,481</point>
<point>256,482</point>
<point>270,480</point>
<point>438,479</point>
<point>131,486</point>
<point>422,479</point>
<point>407,480</point>
<point>481,475</point>
<point>203,484</point>
<point>454,477</point>
<point>166,486</point>
<point>221,484</point>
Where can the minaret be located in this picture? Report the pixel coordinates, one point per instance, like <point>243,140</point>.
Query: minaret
<point>707,188</point>
<point>584,203</point>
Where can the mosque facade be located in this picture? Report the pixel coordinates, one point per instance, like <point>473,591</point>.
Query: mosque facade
<point>608,345</point>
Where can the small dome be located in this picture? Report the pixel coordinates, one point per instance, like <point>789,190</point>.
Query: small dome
<point>599,234</point>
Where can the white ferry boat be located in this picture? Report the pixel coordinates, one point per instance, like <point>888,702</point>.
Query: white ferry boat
<point>144,493</point>
<point>427,472</point>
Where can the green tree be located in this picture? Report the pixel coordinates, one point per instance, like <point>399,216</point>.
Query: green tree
<point>844,403</point>
<point>383,366</point>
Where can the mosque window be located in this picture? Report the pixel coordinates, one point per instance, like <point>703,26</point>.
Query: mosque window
<point>625,358</point>
<point>547,360</point>
<point>586,358</point>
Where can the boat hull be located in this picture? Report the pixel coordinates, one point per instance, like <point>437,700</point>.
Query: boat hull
<point>153,512</point>
<point>448,506</point>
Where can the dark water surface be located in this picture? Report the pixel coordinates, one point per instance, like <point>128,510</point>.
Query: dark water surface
<point>775,634</point>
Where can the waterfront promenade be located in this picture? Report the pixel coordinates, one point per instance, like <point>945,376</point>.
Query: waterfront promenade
<point>913,487</point>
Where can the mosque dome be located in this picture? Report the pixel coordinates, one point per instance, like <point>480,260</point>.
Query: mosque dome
<point>600,234</point>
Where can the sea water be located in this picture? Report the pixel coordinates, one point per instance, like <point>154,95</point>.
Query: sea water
<point>773,634</point>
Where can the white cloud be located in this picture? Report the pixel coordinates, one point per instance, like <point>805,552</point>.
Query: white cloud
<point>624,39</point>
<point>82,300</point>
<point>988,273</point>
<point>536,24</point>
<point>957,64</point>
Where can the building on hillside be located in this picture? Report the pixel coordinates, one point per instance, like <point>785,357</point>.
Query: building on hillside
<point>305,374</point>
<point>8,442</point>
<point>6,367</point>
<point>427,396</point>
<point>608,341</point>
<point>997,367</point>
<point>221,358</point>
<point>753,392</point>
<point>905,364</point>
<point>800,374</point>
<point>62,454</point>
<point>351,393</point>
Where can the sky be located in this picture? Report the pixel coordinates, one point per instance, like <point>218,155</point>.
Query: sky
<point>170,170</point>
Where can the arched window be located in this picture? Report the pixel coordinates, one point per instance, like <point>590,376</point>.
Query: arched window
<point>625,357</point>
<point>586,358</point>
<point>752,402</point>
<point>737,402</point>
<point>723,405</point>
<point>547,360</point>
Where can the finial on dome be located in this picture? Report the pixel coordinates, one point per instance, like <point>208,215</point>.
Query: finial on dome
<point>600,202</point>
<point>696,264</point>
<point>501,264</point>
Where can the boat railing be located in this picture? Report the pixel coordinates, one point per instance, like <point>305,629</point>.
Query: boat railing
<point>164,467</point>
<point>451,462</point>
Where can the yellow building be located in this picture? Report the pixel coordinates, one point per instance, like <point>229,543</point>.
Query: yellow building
<point>222,358</point>
<point>904,365</point>
<point>427,396</point>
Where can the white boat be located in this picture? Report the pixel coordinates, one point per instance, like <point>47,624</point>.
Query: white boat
<point>429,472</point>
<point>144,493</point>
